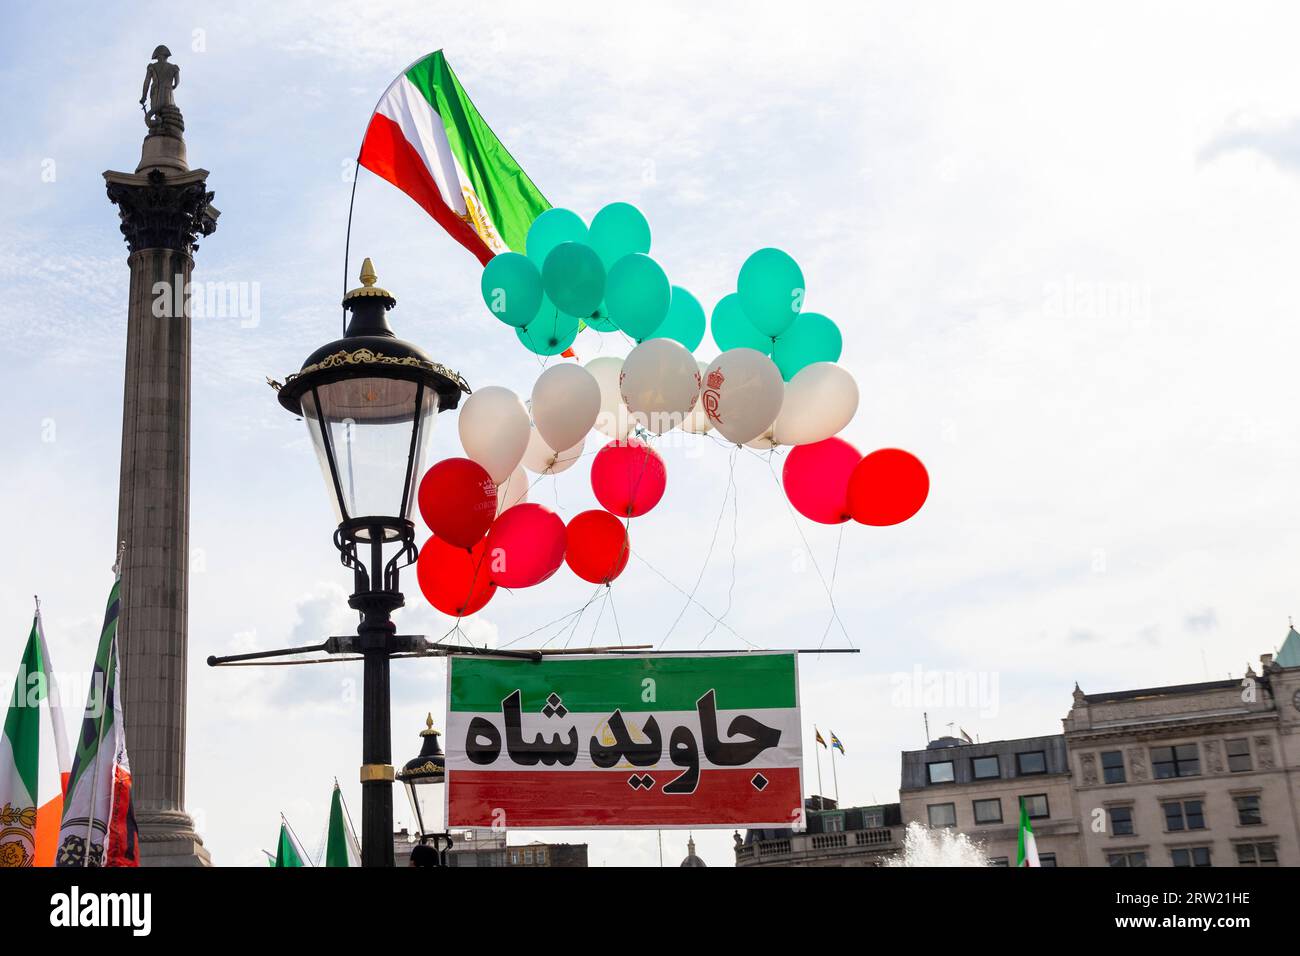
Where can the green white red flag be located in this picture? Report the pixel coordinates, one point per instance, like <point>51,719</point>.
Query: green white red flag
<point>624,741</point>
<point>428,139</point>
<point>98,826</point>
<point>26,835</point>
<point>341,847</point>
<point>1027,851</point>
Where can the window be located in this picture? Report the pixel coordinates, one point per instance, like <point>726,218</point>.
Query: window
<point>1191,856</point>
<point>942,814</point>
<point>873,819</point>
<point>1248,814</point>
<point>999,861</point>
<point>1036,805</point>
<point>939,772</point>
<point>1035,761</point>
<point>514,857</point>
<point>541,857</point>
<point>1184,815</point>
<point>1181,761</point>
<point>988,811</point>
<point>985,768</point>
<point>1047,859</point>
<point>1112,766</point>
<point>1257,854</point>
<point>528,857</point>
<point>1239,755</point>
<point>1121,821</point>
<point>1131,858</point>
<point>833,823</point>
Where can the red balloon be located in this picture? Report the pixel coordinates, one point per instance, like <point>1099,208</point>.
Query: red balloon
<point>628,477</point>
<point>458,501</point>
<point>816,479</point>
<point>887,487</point>
<point>597,549</point>
<point>525,546</point>
<point>454,580</point>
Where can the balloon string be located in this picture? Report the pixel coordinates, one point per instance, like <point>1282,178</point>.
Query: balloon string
<point>735,536</point>
<point>681,590</point>
<point>835,570</point>
<point>835,612</point>
<point>717,525</point>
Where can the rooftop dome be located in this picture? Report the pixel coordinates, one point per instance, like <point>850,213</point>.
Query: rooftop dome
<point>691,858</point>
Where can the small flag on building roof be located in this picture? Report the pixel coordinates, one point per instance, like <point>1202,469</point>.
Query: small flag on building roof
<point>835,742</point>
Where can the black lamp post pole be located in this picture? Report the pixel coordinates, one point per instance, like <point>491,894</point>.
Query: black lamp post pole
<point>375,633</point>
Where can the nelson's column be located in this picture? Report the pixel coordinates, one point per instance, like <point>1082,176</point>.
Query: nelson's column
<point>164,208</point>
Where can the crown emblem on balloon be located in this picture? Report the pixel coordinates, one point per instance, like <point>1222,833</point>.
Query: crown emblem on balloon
<point>716,378</point>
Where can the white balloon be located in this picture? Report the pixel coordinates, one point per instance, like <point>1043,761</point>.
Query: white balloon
<point>820,401</point>
<point>613,418</point>
<point>494,430</point>
<point>542,459</point>
<point>566,401</point>
<point>742,395</point>
<point>512,491</point>
<point>660,384</point>
<point>697,422</point>
<point>764,442</point>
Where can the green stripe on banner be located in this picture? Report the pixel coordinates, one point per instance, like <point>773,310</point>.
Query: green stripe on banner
<point>501,185</point>
<point>742,681</point>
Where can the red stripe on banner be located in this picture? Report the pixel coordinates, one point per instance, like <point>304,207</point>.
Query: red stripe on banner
<point>604,798</point>
<point>387,154</point>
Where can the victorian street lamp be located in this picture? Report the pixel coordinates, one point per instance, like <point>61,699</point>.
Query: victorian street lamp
<point>419,776</point>
<point>369,400</point>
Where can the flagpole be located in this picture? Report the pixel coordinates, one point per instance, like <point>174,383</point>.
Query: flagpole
<point>818,755</point>
<point>835,778</point>
<point>99,738</point>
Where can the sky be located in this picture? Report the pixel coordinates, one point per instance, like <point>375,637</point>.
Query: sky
<point>1058,240</point>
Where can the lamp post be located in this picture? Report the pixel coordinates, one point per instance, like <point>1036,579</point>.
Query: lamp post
<point>419,776</point>
<point>369,400</point>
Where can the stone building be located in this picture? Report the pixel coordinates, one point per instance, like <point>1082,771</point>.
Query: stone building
<point>1204,774</point>
<point>977,789</point>
<point>854,836</point>
<point>1201,774</point>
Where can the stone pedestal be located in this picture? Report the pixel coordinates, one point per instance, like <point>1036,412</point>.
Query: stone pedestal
<point>163,211</point>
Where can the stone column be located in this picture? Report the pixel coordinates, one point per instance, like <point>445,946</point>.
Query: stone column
<point>164,208</point>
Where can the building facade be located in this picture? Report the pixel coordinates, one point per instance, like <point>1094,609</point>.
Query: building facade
<point>854,836</point>
<point>1204,774</point>
<point>978,789</point>
<point>1191,775</point>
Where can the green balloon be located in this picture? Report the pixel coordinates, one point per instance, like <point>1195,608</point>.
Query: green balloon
<point>549,230</point>
<point>732,329</point>
<point>550,332</point>
<point>617,230</point>
<point>637,293</point>
<point>512,288</point>
<point>771,289</point>
<point>684,322</point>
<point>811,338</point>
<point>600,320</point>
<point>574,278</point>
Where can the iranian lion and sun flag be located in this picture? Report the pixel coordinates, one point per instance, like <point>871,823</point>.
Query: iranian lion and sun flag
<point>82,816</point>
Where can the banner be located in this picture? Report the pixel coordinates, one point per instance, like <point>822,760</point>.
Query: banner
<point>624,741</point>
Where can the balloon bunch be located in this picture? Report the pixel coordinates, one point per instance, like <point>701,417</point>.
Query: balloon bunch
<point>775,383</point>
<point>486,534</point>
<point>573,276</point>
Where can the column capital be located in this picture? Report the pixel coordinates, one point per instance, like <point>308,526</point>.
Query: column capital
<point>159,211</point>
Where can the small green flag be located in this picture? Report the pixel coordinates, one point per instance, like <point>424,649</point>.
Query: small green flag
<point>286,853</point>
<point>341,848</point>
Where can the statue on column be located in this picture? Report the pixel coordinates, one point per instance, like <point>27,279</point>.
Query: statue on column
<point>161,77</point>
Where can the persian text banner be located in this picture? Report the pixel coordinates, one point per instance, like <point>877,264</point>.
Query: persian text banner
<point>624,741</point>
